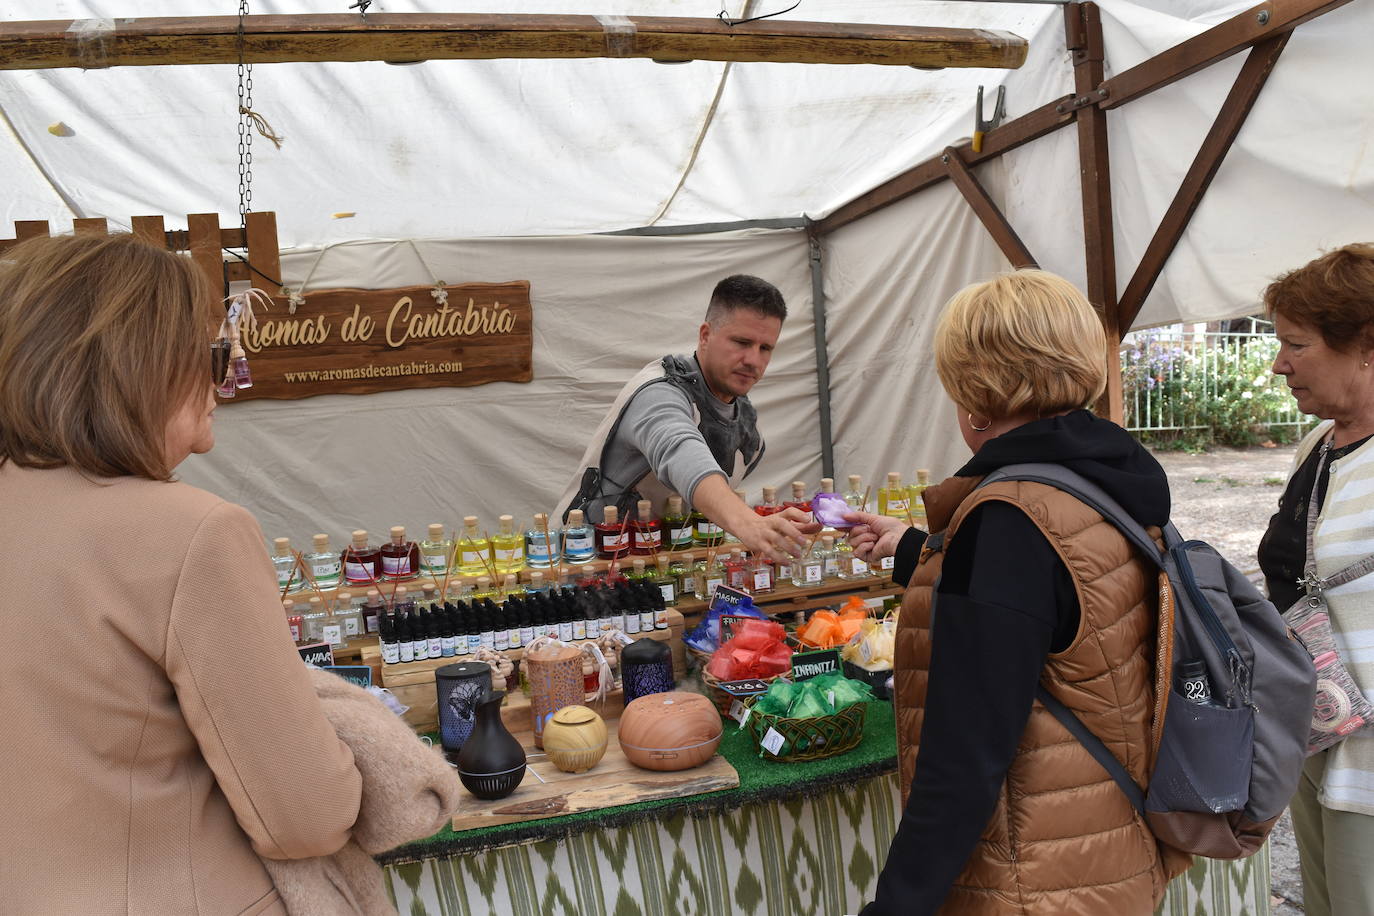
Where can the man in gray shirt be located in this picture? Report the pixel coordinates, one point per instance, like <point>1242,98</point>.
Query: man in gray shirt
<point>685,424</point>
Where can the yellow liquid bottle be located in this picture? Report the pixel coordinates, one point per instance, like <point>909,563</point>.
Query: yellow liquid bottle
<point>893,499</point>
<point>507,547</point>
<point>472,549</point>
<point>918,506</point>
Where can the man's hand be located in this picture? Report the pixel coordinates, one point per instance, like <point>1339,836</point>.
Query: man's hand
<point>874,536</point>
<point>772,537</point>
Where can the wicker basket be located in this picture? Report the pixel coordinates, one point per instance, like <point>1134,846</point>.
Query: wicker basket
<point>809,739</point>
<point>722,699</point>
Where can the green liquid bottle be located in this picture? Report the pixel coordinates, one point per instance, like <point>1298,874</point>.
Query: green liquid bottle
<point>705,533</point>
<point>677,526</point>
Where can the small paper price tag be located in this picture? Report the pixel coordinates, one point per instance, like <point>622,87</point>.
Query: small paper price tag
<point>830,695</point>
<point>737,711</point>
<point>865,651</point>
<point>772,742</point>
<point>889,563</point>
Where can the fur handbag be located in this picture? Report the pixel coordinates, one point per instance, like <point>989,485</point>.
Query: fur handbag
<point>409,793</point>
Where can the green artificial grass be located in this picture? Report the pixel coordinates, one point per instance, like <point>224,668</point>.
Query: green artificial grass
<point>760,780</point>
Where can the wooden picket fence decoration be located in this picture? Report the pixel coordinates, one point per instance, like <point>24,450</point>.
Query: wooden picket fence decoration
<point>202,237</point>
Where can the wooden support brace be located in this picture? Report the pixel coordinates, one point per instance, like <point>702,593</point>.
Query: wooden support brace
<point>203,232</point>
<point>988,213</point>
<point>25,229</point>
<point>150,229</point>
<point>1217,143</point>
<point>1217,43</point>
<point>264,255</point>
<point>447,36</point>
<point>1083,32</point>
<point>94,225</point>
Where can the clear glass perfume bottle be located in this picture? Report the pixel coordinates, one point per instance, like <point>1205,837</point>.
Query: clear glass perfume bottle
<point>808,570</point>
<point>830,560</point>
<point>537,584</point>
<point>472,549</point>
<point>706,575</point>
<point>435,552</point>
<point>323,563</point>
<point>851,567</point>
<point>362,562</point>
<point>646,531</point>
<point>400,557</point>
<point>285,563</point>
<point>315,618</point>
<point>578,545</point>
<point>677,525</point>
<point>348,616</point>
<point>760,576</point>
<point>854,493</point>
<point>507,547</point>
<point>893,498</point>
<point>541,543</point>
<point>238,365</point>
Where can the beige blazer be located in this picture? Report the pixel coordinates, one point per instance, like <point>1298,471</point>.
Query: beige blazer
<point>158,729</point>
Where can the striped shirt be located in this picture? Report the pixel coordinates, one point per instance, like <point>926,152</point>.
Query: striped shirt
<point>1344,535</point>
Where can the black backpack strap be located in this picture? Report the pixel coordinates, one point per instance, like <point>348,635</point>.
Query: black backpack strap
<point>1093,745</point>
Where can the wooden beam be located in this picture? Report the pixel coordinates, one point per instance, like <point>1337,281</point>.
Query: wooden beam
<point>988,213</point>
<point>25,229</point>
<point>1083,33</point>
<point>1209,157</point>
<point>1030,126</point>
<point>203,231</point>
<point>1217,43</point>
<point>93,225</point>
<point>150,229</point>
<point>263,253</point>
<point>86,44</point>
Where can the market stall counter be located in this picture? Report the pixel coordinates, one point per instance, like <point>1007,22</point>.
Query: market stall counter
<point>791,838</point>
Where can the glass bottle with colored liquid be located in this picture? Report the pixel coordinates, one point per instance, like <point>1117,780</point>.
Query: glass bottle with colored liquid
<point>665,581</point>
<point>612,538</point>
<point>323,563</point>
<point>638,571</point>
<point>472,549</point>
<point>435,553</point>
<point>799,498</point>
<point>646,531</point>
<point>285,562</point>
<point>579,545</point>
<point>769,505</point>
<point>916,503</point>
<point>400,558</point>
<point>706,575</point>
<point>705,533</point>
<point>677,525</point>
<point>761,576</point>
<point>362,562</point>
<point>893,499</point>
<point>737,570</point>
<point>507,547</point>
<point>541,543</point>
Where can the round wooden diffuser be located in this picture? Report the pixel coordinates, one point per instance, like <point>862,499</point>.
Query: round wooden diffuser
<point>575,739</point>
<point>555,674</point>
<point>670,731</point>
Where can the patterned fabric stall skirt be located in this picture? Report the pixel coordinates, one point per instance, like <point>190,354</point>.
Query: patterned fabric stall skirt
<point>818,855</point>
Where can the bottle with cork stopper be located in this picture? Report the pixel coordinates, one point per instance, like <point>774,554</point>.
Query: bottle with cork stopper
<point>612,540</point>
<point>435,552</point>
<point>647,531</point>
<point>284,561</point>
<point>362,563</point>
<point>400,558</point>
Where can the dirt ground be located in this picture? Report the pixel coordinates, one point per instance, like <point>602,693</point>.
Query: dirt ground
<point>1226,497</point>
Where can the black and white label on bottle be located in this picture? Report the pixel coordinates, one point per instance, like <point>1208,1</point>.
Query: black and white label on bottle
<point>667,592</point>
<point>324,570</point>
<point>351,628</point>
<point>889,563</point>
<point>332,633</point>
<point>814,573</point>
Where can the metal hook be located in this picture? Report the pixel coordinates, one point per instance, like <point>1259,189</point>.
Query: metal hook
<point>999,112</point>
<point>361,6</point>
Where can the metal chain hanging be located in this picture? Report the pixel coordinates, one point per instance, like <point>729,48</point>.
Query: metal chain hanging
<point>245,127</point>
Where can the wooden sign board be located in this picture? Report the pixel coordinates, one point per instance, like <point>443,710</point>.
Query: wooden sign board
<point>356,341</point>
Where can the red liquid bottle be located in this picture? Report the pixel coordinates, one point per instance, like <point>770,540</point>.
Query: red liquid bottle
<point>362,562</point>
<point>770,505</point>
<point>798,500</point>
<point>737,571</point>
<point>647,532</point>
<point>400,558</point>
<point>612,539</point>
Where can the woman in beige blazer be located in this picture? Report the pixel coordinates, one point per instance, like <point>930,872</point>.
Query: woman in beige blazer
<point>159,729</point>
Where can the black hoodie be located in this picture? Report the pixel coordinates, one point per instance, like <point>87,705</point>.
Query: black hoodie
<point>1005,602</point>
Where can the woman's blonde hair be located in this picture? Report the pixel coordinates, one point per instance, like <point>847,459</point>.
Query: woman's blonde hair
<point>1026,341</point>
<point>102,340</point>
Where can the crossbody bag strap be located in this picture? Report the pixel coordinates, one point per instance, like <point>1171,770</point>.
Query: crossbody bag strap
<point>1310,580</point>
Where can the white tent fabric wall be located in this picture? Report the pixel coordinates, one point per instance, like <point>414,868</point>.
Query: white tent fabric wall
<point>604,306</point>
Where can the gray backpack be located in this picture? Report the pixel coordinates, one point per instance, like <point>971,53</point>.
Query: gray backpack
<point>1225,768</point>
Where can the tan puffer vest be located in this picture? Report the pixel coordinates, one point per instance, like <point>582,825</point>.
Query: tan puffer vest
<point>1063,838</point>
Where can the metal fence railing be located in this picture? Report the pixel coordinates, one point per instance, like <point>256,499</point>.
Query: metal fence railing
<point>1176,380</point>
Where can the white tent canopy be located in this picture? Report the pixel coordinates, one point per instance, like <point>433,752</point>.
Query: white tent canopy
<point>510,167</point>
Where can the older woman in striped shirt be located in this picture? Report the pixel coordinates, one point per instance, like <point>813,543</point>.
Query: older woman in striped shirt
<point>1324,317</point>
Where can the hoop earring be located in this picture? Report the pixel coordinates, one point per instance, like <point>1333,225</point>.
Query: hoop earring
<point>979,429</point>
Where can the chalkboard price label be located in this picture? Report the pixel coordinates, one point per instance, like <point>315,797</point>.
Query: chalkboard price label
<point>806,665</point>
<point>318,654</point>
<point>354,674</point>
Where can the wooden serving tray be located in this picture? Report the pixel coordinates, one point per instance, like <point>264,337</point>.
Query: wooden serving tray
<point>613,781</point>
